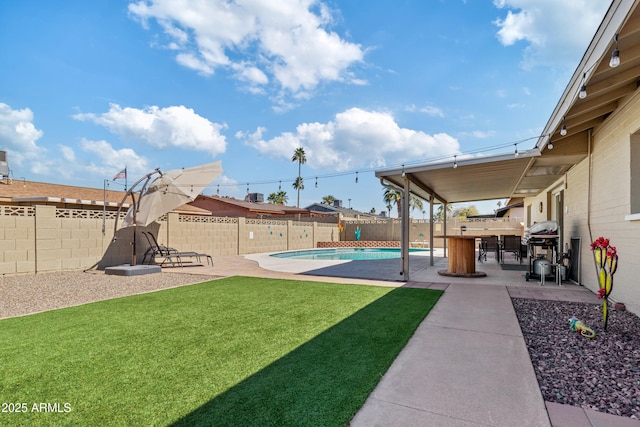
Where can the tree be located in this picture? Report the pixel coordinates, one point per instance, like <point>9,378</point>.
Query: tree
<point>465,212</point>
<point>439,215</point>
<point>328,200</point>
<point>279,198</point>
<point>298,184</point>
<point>393,196</point>
<point>300,157</point>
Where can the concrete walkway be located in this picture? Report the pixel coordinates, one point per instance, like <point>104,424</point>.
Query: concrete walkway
<point>467,363</point>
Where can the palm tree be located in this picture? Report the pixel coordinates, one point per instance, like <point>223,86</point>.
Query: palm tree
<point>300,157</point>
<point>279,198</point>
<point>439,215</point>
<point>298,184</point>
<point>393,196</point>
<point>328,200</point>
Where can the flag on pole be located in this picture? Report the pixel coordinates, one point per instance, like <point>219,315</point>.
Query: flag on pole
<point>121,175</point>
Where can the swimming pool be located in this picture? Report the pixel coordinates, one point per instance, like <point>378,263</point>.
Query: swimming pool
<point>350,254</point>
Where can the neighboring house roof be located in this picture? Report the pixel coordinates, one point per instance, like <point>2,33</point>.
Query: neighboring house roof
<point>531,171</point>
<point>321,207</point>
<point>33,193</point>
<point>258,208</point>
<point>17,191</point>
<point>500,212</point>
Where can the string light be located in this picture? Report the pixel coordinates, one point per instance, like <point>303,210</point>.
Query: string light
<point>218,190</point>
<point>516,153</point>
<point>455,161</point>
<point>416,162</point>
<point>316,182</point>
<point>583,88</point>
<point>563,130</point>
<point>356,177</point>
<point>550,145</point>
<point>615,55</point>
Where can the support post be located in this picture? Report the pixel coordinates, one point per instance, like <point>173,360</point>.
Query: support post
<point>406,196</point>
<point>431,231</point>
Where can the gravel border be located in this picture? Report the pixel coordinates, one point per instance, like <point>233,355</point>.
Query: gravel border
<point>33,293</point>
<point>602,374</point>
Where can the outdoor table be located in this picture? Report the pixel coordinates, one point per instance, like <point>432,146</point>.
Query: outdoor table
<point>462,257</point>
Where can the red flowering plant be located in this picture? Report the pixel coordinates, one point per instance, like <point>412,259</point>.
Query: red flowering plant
<point>606,258</point>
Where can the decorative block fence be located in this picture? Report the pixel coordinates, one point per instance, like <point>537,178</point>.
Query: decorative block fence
<point>42,238</point>
<point>48,238</point>
<point>359,244</point>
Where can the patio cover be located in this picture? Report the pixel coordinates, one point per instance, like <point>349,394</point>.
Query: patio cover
<point>502,176</point>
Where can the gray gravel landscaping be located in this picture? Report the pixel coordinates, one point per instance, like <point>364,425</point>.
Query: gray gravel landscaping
<point>602,373</point>
<point>33,293</point>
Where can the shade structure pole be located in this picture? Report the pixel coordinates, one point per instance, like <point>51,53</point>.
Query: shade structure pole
<point>131,192</point>
<point>444,231</point>
<point>406,196</point>
<point>431,230</point>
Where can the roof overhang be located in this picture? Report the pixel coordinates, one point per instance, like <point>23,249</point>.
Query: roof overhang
<point>67,200</point>
<point>505,176</point>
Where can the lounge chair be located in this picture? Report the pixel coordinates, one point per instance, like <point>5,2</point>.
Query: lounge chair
<point>171,255</point>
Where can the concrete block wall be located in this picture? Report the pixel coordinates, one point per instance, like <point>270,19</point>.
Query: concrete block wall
<point>300,235</point>
<point>17,239</point>
<point>610,202</point>
<point>389,230</point>
<point>604,209</point>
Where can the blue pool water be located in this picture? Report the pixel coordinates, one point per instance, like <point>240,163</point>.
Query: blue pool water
<point>352,254</point>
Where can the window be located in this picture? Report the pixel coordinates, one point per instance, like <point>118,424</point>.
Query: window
<point>634,157</point>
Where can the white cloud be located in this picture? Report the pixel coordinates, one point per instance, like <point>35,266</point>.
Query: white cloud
<point>111,161</point>
<point>18,135</point>
<point>482,134</point>
<point>175,126</point>
<point>355,138</point>
<point>288,42</point>
<point>556,31</point>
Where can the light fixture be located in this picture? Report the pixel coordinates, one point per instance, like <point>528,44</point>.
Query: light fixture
<point>218,190</point>
<point>316,182</point>
<point>550,145</point>
<point>403,174</point>
<point>583,88</point>
<point>516,154</point>
<point>615,55</point>
<point>356,177</point>
<point>455,162</point>
<point>279,185</point>
<point>563,130</point>
<point>247,188</point>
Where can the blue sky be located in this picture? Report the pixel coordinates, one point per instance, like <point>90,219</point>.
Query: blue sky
<point>88,88</point>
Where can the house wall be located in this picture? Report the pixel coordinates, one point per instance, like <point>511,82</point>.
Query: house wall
<point>597,203</point>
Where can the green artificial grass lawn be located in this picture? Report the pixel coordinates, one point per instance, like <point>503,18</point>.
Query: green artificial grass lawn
<point>236,351</point>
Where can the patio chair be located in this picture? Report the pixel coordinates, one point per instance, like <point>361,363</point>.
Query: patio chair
<point>512,244</point>
<point>489,244</point>
<point>170,254</point>
<point>159,251</point>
